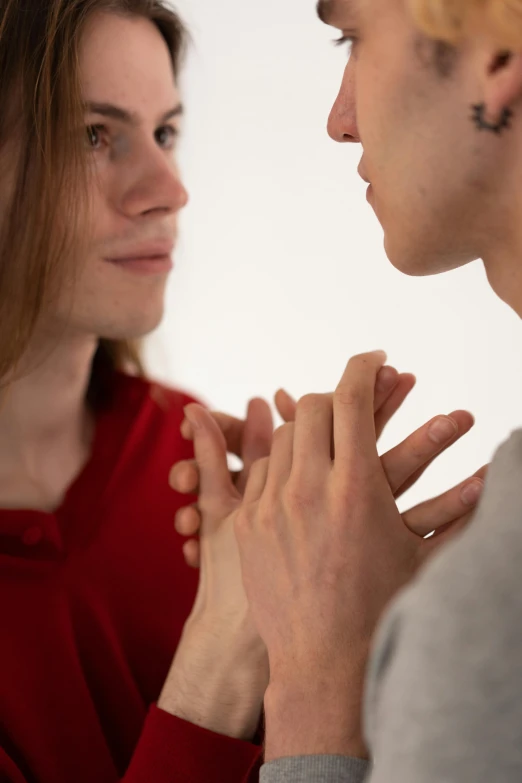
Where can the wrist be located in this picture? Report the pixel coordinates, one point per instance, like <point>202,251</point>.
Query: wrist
<point>217,681</point>
<point>318,714</point>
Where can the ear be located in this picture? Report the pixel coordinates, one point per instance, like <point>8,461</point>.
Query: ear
<point>502,81</point>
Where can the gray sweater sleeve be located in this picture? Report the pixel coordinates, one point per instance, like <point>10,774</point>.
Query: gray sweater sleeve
<point>444,694</point>
<point>314,769</point>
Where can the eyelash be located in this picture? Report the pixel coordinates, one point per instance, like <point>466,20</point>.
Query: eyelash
<point>351,40</point>
<point>101,129</point>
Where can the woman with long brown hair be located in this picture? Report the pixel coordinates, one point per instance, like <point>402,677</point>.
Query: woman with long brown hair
<point>94,588</point>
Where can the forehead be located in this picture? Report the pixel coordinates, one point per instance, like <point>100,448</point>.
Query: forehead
<point>125,60</point>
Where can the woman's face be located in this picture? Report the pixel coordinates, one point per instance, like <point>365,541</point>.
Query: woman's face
<point>135,191</point>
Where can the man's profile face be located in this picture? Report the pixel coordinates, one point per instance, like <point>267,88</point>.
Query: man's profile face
<point>427,165</point>
<point>131,123</point>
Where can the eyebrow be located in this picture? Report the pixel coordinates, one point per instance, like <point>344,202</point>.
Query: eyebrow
<point>324,10</point>
<point>123,115</point>
<point>327,9</point>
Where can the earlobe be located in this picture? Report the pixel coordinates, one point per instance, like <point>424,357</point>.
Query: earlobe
<point>479,119</point>
<point>502,88</point>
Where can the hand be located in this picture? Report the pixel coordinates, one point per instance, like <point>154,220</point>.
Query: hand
<point>251,440</point>
<point>220,672</point>
<point>323,550</point>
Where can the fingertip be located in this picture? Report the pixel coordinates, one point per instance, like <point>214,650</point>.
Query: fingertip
<point>285,404</point>
<point>257,401</point>
<point>378,356</point>
<point>283,392</point>
<point>184,478</point>
<point>191,553</point>
<point>387,379</point>
<point>191,413</point>
<point>186,429</point>
<point>408,378</point>
<point>464,420</point>
<point>472,492</point>
<point>187,521</point>
<point>258,409</point>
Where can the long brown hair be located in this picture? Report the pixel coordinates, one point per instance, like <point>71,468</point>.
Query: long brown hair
<point>43,160</point>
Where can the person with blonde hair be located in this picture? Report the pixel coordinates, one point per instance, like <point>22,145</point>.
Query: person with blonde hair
<point>103,633</point>
<point>433,93</point>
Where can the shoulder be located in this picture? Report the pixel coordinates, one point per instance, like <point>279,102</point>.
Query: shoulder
<point>145,417</point>
<point>162,399</point>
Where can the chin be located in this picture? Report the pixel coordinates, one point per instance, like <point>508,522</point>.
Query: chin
<point>422,259</point>
<point>128,326</point>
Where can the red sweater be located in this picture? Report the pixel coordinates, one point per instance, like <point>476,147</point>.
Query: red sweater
<point>93,601</point>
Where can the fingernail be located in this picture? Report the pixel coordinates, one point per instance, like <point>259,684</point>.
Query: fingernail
<point>381,354</point>
<point>192,418</point>
<point>442,430</point>
<point>386,379</point>
<point>472,492</point>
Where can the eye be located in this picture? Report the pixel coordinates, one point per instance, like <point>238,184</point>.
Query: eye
<point>346,40</point>
<point>166,136</point>
<point>95,134</point>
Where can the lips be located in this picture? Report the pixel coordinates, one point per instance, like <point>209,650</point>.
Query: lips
<point>152,265</point>
<point>154,258</point>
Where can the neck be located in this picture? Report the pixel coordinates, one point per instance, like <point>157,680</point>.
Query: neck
<point>502,243</point>
<point>43,412</point>
<point>503,264</point>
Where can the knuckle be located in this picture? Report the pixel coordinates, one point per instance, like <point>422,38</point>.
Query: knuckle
<point>310,403</point>
<point>351,396</point>
<point>297,499</point>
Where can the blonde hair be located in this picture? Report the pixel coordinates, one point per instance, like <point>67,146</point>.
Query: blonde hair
<point>450,20</point>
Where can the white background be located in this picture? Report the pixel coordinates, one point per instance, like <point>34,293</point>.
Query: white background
<point>280,273</point>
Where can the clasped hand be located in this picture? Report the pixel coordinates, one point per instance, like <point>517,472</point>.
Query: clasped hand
<point>308,548</point>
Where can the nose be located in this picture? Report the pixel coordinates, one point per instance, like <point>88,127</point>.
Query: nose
<point>342,122</point>
<point>156,188</point>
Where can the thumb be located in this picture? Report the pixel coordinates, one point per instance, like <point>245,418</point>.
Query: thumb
<point>210,451</point>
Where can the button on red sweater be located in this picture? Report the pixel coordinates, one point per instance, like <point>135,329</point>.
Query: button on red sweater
<point>93,601</point>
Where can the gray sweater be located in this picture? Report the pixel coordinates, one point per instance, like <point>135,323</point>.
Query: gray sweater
<point>444,691</point>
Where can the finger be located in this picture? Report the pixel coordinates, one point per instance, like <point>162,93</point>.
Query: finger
<point>256,481</point>
<point>184,477</point>
<point>286,405</point>
<point>188,521</point>
<point>445,534</point>
<point>436,514</point>
<point>230,426</point>
<point>405,385</point>
<point>312,447</point>
<point>408,461</point>
<point>191,553</point>
<point>257,437</point>
<point>386,382</point>
<point>280,462</point>
<point>354,418</point>
<point>215,483</point>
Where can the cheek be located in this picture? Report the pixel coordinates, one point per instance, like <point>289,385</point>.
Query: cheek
<point>376,110</point>
<point>100,213</point>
